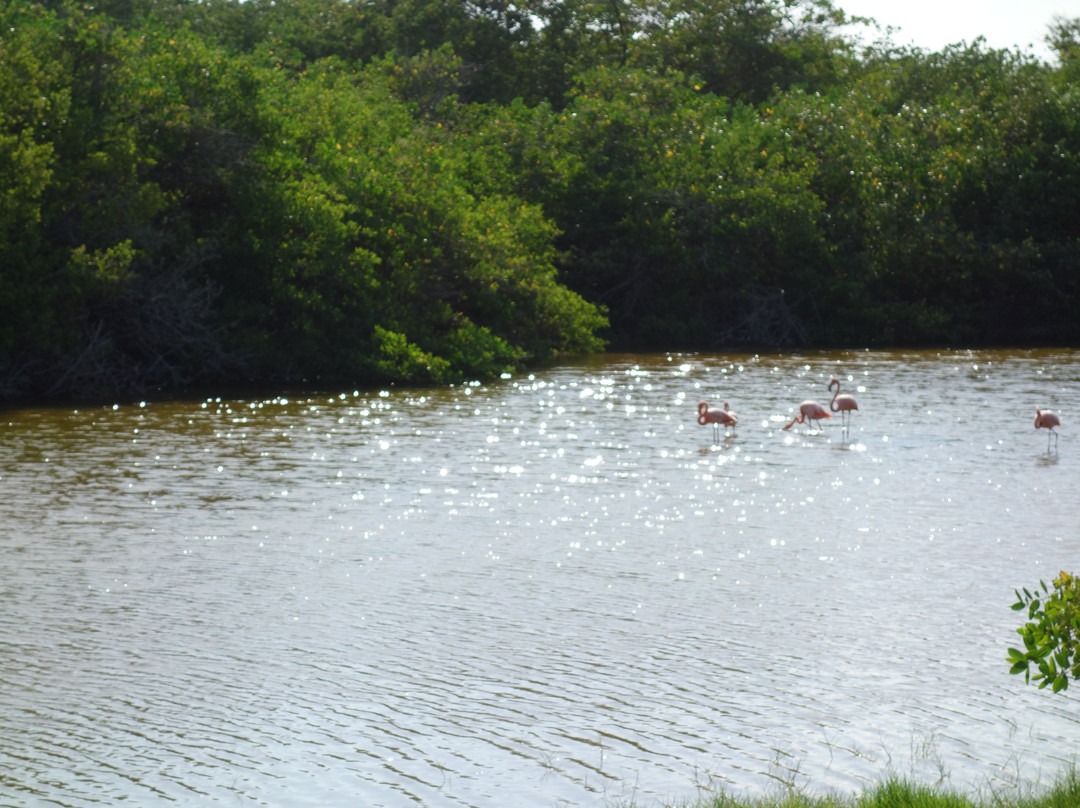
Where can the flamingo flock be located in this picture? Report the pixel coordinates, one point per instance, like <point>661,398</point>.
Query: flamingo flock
<point>811,412</point>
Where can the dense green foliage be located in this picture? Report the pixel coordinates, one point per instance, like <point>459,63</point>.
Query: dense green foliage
<point>1051,635</point>
<point>331,191</point>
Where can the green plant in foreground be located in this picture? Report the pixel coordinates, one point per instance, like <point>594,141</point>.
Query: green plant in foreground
<point>899,793</point>
<point>892,793</point>
<point>1051,635</point>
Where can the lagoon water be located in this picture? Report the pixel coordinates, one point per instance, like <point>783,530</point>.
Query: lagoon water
<point>551,590</point>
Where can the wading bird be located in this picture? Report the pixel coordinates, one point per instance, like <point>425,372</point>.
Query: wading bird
<point>842,404</point>
<point>809,411</point>
<point>716,417</point>
<point>1047,419</point>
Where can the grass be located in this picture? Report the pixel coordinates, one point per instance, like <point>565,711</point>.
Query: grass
<point>897,793</point>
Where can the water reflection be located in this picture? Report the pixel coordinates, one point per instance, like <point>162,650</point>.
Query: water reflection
<point>554,589</point>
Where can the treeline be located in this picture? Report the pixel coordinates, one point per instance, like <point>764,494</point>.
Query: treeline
<point>336,191</point>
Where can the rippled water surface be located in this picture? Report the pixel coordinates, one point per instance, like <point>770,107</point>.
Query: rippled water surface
<point>553,590</point>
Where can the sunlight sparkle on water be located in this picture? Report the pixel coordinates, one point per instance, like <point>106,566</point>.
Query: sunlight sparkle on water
<point>609,550</point>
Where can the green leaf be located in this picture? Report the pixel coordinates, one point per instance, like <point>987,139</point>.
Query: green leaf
<point>1060,683</point>
<point>1019,667</point>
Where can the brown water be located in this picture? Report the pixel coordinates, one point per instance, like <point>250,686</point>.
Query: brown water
<point>554,590</point>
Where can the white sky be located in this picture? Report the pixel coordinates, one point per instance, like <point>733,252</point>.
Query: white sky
<point>933,24</point>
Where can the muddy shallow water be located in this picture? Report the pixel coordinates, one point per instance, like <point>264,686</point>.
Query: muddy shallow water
<point>551,590</point>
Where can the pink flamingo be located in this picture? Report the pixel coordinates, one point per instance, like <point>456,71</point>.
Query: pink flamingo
<point>842,404</point>
<point>1047,419</point>
<point>716,417</point>
<point>809,411</point>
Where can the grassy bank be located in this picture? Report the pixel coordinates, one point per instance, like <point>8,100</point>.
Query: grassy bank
<point>1064,793</point>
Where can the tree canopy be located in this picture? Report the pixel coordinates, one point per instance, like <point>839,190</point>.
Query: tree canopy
<point>420,191</point>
